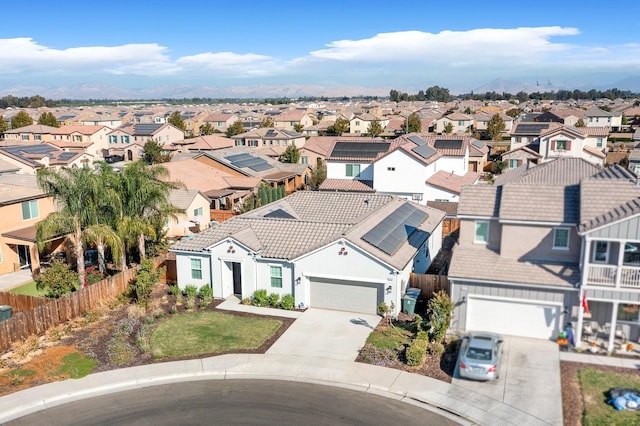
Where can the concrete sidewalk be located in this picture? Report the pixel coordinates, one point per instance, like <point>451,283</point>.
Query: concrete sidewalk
<point>461,405</point>
<point>600,360</point>
<point>15,279</point>
<point>232,303</point>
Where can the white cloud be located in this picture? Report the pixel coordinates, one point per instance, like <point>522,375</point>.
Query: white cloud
<point>230,64</point>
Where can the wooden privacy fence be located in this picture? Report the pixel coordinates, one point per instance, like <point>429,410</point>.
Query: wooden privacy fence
<point>57,311</point>
<point>429,284</point>
<point>21,302</point>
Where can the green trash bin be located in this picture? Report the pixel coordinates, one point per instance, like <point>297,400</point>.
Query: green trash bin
<point>5,312</point>
<point>409,305</point>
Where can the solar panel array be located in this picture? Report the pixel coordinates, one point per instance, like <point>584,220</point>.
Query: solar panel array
<point>271,133</point>
<point>359,149</point>
<point>400,226</point>
<point>531,128</point>
<point>247,160</point>
<point>477,143</point>
<point>448,143</point>
<point>424,151</point>
<point>417,140</point>
<point>146,128</point>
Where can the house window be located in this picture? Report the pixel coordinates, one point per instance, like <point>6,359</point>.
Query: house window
<point>77,138</point>
<point>632,254</point>
<point>304,160</point>
<point>482,231</point>
<point>601,251</point>
<point>196,269</point>
<point>391,169</point>
<point>25,137</point>
<point>198,211</point>
<point>352,170</point>
<point>627,312</point>
<point>460,123</point>
<point>599,143</point>
<point>561,238</point>
<point>30,210</point>
<point>513,164</point>
<point>37,137</point>
<point>561,146</point>
<point>276,276</point>
<point>357,123</point>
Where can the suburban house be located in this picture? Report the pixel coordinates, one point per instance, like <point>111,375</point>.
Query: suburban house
<point>34,133</point>
<point>520,260</point>
<point>528,133</point>
<point>29,158</point>
<point>220,121</point>
<point>195,215</point>
<point>482,119</point>
<point>287,119</point>
<point>201,143</point>
<point>520,156</point>
<point>354,158</point>
<point>446,186</point>
<point>359,123</point>
<point>22,205</point>
<point>129,138</point>
<point>344,251</point>
<point>90,139</point>
<point>609,227</point>
<point>102,119</point>
<point>566,116</point>
<point>597,117</point>
<point>460,123</point>
<point>269,138</point>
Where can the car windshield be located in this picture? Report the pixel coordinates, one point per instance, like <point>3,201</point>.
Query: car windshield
<point>480,354</point>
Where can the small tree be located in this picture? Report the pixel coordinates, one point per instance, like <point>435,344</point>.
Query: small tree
<point>206,129</point>
<point>319,173</point>
<point>4,126</point>
<point>175,119</point>
<point>267,122</point>
<point>57,280</point>
<point>291,155</point>
<point>448,128</point>
<point>21,119</point>
<point>48,119</point>
<point>298,127</point>
<point>495,127</point>
<point>235,129</point>
<point>440,312</point>
<point>580,123</point>
<point>153,153</point>
<point>375,128</point>
<point>414,124</point>
<point>340,126</point>
<point>145,279</point>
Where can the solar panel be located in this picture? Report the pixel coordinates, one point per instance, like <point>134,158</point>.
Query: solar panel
<point>238,157</point>
<point>271,133</point>
<point>279,214</point>
<point>359,149</point>
<point>146,128</point>
<point>477,143</point>
<point>424,151</point>
<point>417,140</point>
<point>398,227</point>
<point>531,128</point>
<point>247,160</point>
<point>448,143</point>
<point>260,167</point>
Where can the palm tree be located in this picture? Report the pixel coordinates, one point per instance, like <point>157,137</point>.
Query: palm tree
<point>136,229</point>
<point>102,236</point>
<point>76,193</point>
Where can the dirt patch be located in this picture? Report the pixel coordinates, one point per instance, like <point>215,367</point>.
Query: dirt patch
<point>111,335</point>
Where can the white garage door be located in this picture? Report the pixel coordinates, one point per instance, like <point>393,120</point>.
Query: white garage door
<point>513,317</point>
<point>349,296</point>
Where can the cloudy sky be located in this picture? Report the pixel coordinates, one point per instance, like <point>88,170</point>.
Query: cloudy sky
<point>169,48</point>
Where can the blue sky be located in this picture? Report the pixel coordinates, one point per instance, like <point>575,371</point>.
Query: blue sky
<point>330,47</point>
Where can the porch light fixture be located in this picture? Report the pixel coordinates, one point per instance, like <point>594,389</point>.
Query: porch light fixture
<point>298,280</point>
<point>389,288</point>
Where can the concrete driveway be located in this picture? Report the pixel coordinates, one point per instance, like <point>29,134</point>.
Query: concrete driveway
<point>326,334</point>
<point>529,379</point>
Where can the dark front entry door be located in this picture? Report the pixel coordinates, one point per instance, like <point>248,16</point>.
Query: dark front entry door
<point>237,278</point>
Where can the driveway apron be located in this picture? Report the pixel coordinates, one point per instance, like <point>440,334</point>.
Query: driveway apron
<point>529,379</point>
<point>326,334</point>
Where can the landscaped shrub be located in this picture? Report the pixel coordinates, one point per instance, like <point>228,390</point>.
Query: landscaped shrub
<point>259,298</point>
<point>190,290</point>
<point>57,280</point>
<point>174,290</point>
<point>436,348</point>
<point>422,335</point>
<point>191,302</point>
<point>382,357</point>
<point>206,293</point>
<point>417,323</point>
<point>440,310</point>
<point>273,299</point>
<point>246,301</point>
<point>416,352</point>
<point>287,302</point>
<point>94,275</point>
<point>145,279</point>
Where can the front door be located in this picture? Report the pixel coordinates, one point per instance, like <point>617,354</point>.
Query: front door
<point>237,278</point>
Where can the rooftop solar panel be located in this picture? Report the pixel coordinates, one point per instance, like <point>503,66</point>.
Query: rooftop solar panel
<point>359,149</point>
<point>279,214</point>
<point>260,167</point>
<point>477,143</point>
<point>448,143</point>
<point>396,228</point>
<point>417,140</point>
<point>424,151</point>
<point>238,157</point>
<point>531,128</point>
<point>146,128</point>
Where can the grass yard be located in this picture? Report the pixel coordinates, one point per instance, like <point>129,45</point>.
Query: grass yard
<point>390,338</point>
<point>28,289</point>
<point>201,333</point>
<point>595,386</point>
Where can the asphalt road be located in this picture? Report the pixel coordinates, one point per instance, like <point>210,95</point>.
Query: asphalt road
<point>236,402</point>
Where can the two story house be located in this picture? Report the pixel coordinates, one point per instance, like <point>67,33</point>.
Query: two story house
<point>517,266</point>
<point>269,140</point>
<point>90,139</point>
<point>34,133</point>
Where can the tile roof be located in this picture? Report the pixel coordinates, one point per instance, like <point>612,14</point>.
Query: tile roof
<point>203,143</point>
<point>85,130</point>
<point>317,218</point>
<point>450,208</point>
<point>346,185</point>
<point>540,202</point>
<point>32,128</point>
<point>594,151</point>
<point>560,171</point>
<point>6,167</point>
<point>597,112</point>
<point>18,188</point>
<point>481,264</point>
<point>196,175</point>
<point>182,198</point>
<point>480,200</point>
<point>452,182</point>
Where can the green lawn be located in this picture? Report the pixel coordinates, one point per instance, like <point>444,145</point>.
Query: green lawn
<point>595,386</point>
<point>391,338</point>
<point>28,289</point>
<point>202,333</point>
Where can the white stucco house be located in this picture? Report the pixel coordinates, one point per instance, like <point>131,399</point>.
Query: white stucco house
<point>333,250</point>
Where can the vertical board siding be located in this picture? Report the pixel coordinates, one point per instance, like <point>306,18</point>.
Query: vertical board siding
<point>45,313</point>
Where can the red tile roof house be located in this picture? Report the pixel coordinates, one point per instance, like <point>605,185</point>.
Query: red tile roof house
<point>334,250</point>
<point>541,237</point>
<point>90,139</point>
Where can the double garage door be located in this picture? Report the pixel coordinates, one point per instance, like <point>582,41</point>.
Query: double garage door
<point>514,317</point>
<point>352,296</point>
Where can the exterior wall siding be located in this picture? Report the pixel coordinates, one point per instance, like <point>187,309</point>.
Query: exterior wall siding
<point>338,170</point>
<point>536,243</point>
<point>628,229</point>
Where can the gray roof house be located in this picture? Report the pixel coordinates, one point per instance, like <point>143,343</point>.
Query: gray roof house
<point>336,250</point>
<point>516,267</point>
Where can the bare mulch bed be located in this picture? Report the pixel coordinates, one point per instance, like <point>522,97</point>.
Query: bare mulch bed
<point>99,335</point>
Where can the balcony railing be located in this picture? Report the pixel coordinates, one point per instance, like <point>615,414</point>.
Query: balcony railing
<point>607,276</point>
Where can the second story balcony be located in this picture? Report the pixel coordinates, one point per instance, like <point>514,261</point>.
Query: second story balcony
<point>613,264</point>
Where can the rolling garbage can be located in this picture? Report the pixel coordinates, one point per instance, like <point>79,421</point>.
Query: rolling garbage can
<point>409,305</point>
<point>413,292</point>
<point>5,312</point>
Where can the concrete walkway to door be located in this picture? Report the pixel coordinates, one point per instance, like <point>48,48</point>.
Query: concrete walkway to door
<point>322,333</point>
